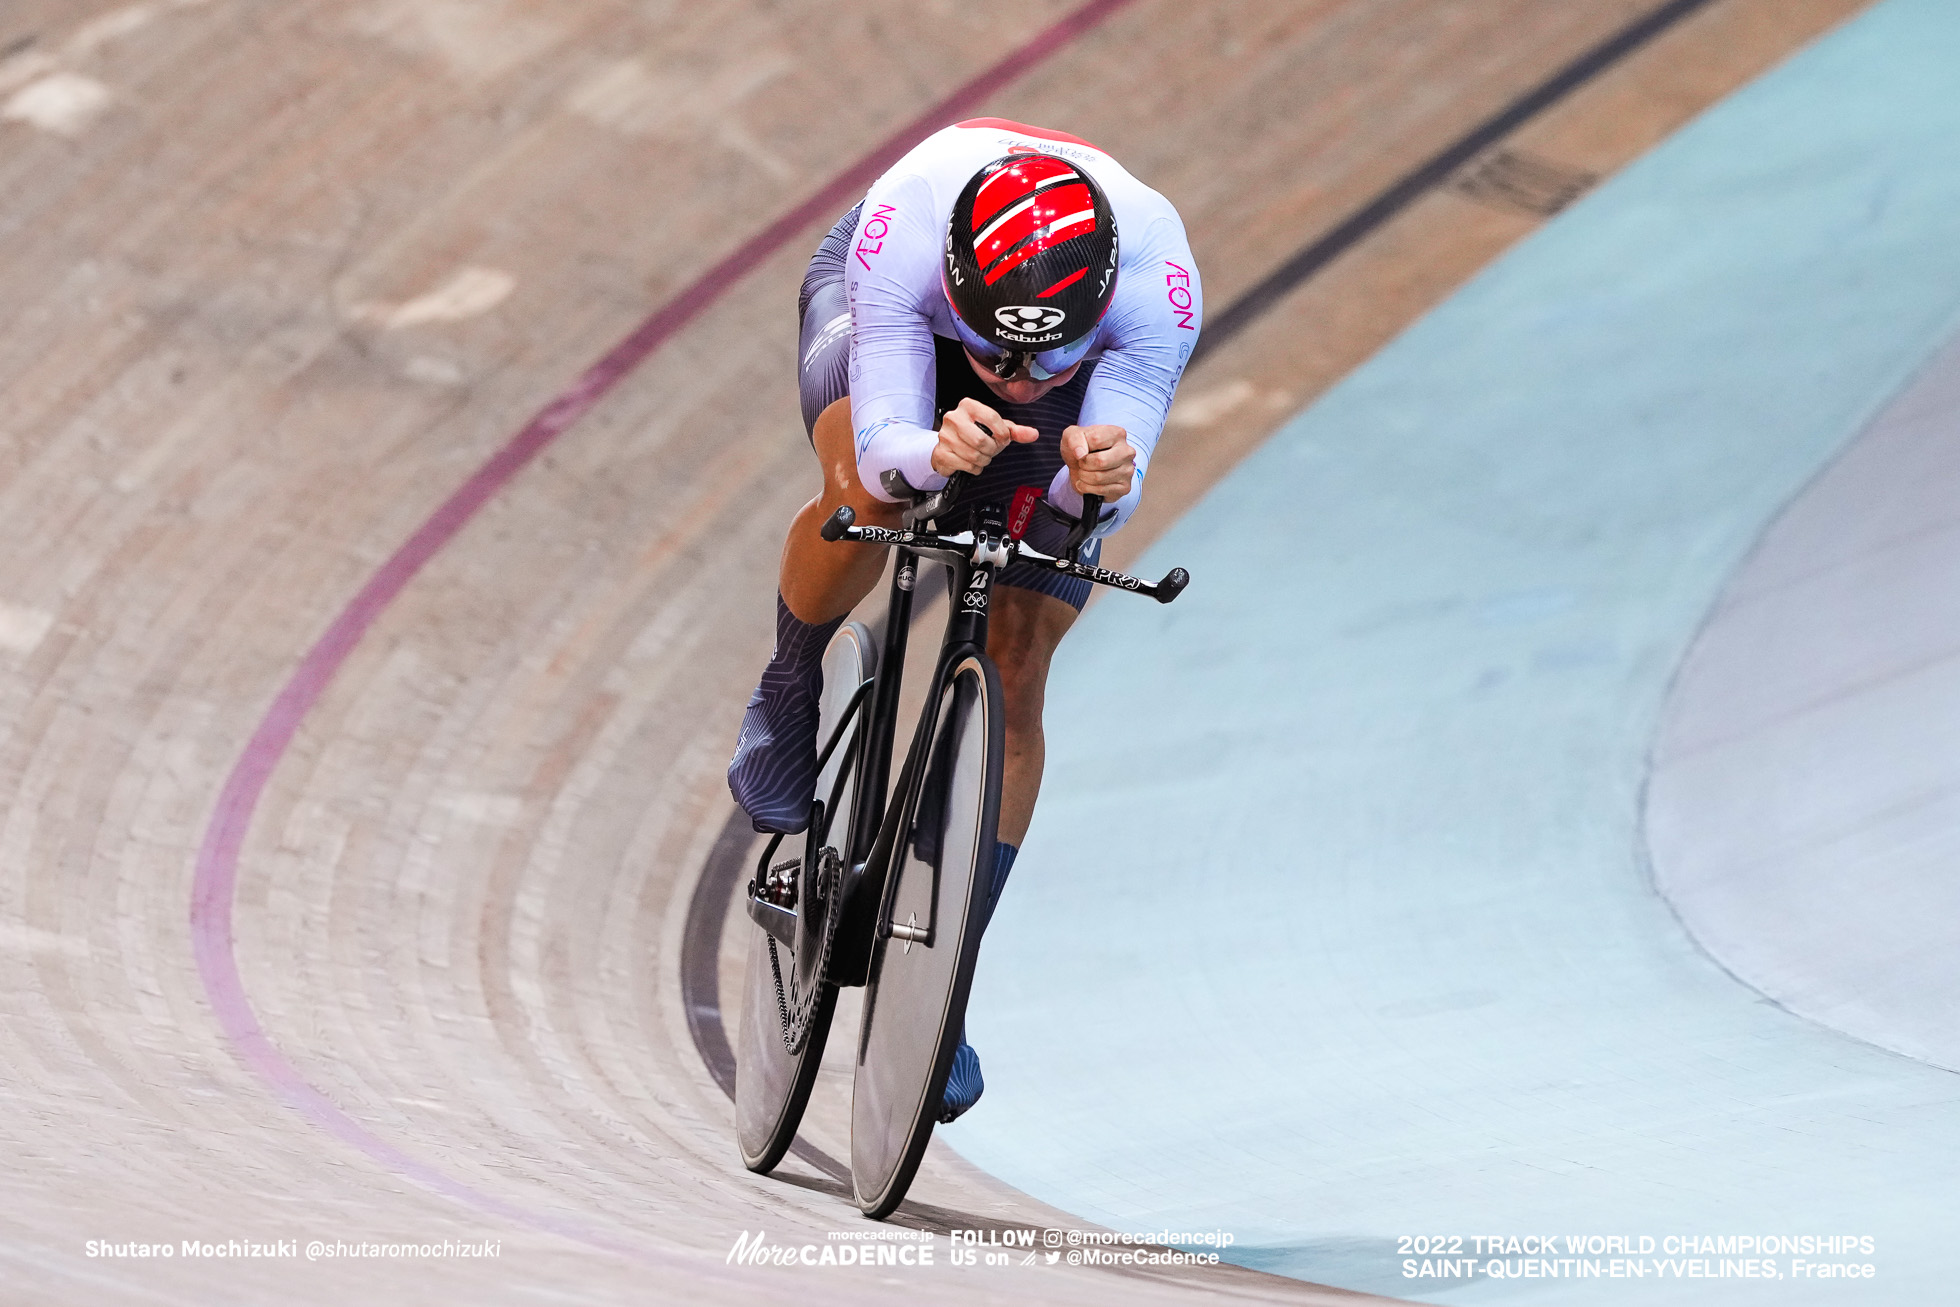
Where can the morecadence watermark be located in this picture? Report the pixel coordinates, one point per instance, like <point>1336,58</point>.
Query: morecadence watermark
<point>999,1246</point>
<point>894,1246</point>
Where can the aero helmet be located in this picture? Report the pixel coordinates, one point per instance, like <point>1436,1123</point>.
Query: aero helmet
<point>1030,264</point>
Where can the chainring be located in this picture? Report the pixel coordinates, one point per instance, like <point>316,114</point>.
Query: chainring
<point>798,1009</point>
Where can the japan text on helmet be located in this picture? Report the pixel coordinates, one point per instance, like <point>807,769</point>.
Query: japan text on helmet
<point>1030,264</point>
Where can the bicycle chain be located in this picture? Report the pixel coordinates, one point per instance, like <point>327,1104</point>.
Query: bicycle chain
<point>796,1029</point>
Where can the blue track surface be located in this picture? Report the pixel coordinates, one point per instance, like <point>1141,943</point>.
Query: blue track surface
<point>1335,925</point>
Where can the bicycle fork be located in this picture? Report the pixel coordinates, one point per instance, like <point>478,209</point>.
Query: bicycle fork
<point>971,595</point>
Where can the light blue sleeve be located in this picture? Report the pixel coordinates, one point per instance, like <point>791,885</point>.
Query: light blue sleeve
<point>1152,328</point>
<point>892,272</point>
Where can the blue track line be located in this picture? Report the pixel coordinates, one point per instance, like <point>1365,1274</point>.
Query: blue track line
<point>1335,924</point>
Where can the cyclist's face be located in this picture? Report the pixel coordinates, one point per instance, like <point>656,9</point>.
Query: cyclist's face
<point>1020,388</point>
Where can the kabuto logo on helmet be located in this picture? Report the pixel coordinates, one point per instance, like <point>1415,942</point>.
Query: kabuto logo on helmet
<point>1030,246</point>
<point>1029,317</point>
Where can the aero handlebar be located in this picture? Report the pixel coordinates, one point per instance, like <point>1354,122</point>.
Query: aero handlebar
<point>841,525</point>
<point>928,506</point>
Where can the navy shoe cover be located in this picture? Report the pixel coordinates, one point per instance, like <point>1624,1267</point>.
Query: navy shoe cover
<point>773,775</point>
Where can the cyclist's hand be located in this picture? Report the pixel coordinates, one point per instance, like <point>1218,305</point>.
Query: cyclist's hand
<point>1100,461</point>
<point>964,447</point>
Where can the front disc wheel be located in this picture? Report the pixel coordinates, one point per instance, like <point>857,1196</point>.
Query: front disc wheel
<point>915,1001</point>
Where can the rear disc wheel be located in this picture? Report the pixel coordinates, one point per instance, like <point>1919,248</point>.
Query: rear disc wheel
<point>772,1082</point>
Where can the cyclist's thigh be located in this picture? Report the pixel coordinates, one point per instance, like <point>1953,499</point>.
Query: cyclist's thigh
<point>1023,628</point>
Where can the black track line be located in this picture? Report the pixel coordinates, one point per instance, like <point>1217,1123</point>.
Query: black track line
<point>1412,186</point>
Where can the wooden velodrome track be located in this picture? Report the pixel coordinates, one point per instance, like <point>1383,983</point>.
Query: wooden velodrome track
<point>382,940</point>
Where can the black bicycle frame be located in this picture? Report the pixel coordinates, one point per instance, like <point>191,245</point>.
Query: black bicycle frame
<point>975,559</point>
<point>874,773</point>
<point>876,827</point>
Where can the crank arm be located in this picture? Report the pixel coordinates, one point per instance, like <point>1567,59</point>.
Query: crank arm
<point>779,922</point>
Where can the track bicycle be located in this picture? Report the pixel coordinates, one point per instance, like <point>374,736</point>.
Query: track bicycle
<point>890,891</point>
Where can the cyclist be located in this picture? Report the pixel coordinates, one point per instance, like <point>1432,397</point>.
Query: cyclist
<point>977,313</point>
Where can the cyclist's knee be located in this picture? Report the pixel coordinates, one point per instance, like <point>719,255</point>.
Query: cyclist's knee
<point>832,436</point>
<point>1025,629</point>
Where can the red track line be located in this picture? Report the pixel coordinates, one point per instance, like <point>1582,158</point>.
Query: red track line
<point>216,876</point>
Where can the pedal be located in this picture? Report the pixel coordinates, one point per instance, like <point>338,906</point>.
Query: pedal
<point>780,887</point>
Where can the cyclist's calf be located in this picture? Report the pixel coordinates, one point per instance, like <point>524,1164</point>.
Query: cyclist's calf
<point>1022,633</point>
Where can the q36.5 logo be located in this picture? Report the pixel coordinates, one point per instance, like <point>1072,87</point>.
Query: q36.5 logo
<point>1031,318</point>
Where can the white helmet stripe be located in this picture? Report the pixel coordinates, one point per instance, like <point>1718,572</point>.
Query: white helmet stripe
<point>1009,172</point>
<point>1087,215</point>
<point>981,239</point>
<point>1005,216</point>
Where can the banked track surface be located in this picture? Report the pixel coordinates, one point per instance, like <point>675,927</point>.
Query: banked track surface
<point>284,276</point>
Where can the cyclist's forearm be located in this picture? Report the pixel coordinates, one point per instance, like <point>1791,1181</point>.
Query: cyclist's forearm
<point>901,445</point>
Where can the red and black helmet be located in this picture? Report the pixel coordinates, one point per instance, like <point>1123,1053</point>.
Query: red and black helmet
<point>1030,263</point>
